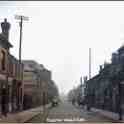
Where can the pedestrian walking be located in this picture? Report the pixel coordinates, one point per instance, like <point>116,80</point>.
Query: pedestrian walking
<point>73,101</point>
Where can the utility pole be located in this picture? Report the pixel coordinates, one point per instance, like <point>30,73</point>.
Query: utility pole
<point>89,63</point>
<point>89,95</point>
<point>81,84</point>
<point>21,18</point>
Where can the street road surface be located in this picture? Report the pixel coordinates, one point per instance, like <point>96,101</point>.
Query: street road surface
<point>66,112</point>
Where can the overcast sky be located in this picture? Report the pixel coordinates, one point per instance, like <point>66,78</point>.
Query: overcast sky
<point>59,35</point>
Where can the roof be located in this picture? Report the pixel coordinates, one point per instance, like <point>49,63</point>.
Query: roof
<point>32,65</point>
<point>121,48</point>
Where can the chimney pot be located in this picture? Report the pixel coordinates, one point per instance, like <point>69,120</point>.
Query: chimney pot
<point>5,28</point>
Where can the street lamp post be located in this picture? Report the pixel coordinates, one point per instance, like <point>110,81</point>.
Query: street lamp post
<point>21,18</point>
<point>81,84</point>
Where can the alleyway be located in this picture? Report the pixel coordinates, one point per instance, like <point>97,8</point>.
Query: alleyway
<point>66,112</point>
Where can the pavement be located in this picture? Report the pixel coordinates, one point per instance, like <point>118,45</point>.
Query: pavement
<point>112,115</point>
<point>21,117</point>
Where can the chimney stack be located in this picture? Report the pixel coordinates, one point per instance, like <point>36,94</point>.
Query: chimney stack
<point>5,28</point>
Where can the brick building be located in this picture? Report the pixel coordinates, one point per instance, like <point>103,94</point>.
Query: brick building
<point>9,71</point>
<point>102,91</point>
<point>35,77</point>
<point>38,85</point>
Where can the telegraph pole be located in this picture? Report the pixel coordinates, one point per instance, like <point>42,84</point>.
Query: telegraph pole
<point>89,63</point>
<point>89,95</point>
<point>21,18</point>
<point>81,83</point>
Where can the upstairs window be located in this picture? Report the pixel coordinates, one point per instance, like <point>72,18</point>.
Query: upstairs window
<point>3,57</point>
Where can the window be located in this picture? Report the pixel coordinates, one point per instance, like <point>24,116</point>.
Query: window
<point>3,60</point>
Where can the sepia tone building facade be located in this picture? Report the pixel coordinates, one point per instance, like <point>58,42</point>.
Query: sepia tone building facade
<point>102,91</point>
<point>35,79</point>
<point>35,89</point>
<point>30,83</point>
<point>9,75</point>
<point>39,88</point>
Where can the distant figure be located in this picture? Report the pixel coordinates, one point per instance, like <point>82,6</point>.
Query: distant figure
<point>79,101</point>
<point>73,101</point>
<point>54,102</point>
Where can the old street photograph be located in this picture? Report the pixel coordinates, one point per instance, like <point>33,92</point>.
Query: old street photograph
<point>61,61</point>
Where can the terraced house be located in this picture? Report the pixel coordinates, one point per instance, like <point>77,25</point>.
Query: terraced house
<point>32,83</point>
<point>9,72</point>
<point>35,79</point>
<point>39,88</point>
<point>106,90</point>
